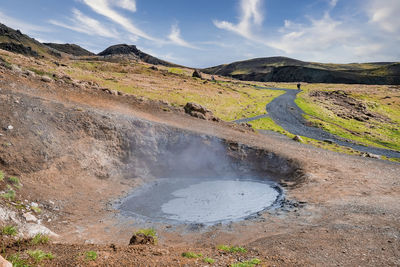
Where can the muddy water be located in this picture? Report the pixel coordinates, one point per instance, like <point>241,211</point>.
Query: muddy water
<point>204,201</point>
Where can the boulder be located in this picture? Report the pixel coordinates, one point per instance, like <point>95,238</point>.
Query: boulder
<point>141,239</point>
<point>197,74</point>
<point>198,111</point>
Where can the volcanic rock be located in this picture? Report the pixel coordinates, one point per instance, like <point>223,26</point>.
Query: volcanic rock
<point>198,111</point>
<point>197,74</point>
<point>141,239</point>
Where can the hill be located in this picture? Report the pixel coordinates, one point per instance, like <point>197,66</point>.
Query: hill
<point>282,69</point>
<point>71,49</point>
<point>131,52</point>
<point>17,42</point>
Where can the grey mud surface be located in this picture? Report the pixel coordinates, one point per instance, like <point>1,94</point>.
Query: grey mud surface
<point>202,200</point>
<point>284,111</point>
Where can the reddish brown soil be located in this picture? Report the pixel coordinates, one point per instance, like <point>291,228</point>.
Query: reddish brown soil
<point>351,216</point>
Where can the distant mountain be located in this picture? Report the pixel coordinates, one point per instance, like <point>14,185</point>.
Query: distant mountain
<point>71,49</point>
<point>14,41</point>
<point>282,69</point>
<point>131,52</point>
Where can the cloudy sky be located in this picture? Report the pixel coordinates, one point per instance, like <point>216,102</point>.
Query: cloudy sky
<point>211,32</point>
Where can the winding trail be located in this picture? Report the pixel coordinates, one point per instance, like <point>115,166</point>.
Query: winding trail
<point>284,111</point>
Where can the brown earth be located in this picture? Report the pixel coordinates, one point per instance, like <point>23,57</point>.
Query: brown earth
<point>76,150</point>
<point>346,107</point>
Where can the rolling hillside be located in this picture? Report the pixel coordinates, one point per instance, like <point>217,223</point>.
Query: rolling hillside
<point>282,69</point>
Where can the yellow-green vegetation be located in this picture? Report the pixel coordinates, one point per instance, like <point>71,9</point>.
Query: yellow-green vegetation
<point>37,210</point>
<point>176,71</point>
<point>17,261</point>
<point>269,124</point>
<point>40,239</point>
<point>14,180</point>
<point>232,249</point>
<point>91,255</point>
<point>379,133</point>
<point>208,260</point>
<point>9,194</point>
<point>1,176</point>
<point>191,255</point>
<point>229,101</point>
<point>39,255</point>
<point>250,263</point>
<point>9,230</point>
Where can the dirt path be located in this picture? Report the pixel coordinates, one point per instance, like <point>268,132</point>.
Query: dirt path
<point>285,112</point>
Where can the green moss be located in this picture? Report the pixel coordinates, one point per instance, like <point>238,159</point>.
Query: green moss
<point>40,239</point>
<point>250,263</point>
<point>91,255</point>
<point>191,255</point>
<point>9,230</point>
<point>9,194</point>
<point>233,249</point>
<point>208,260</point>
<point>39,255</point>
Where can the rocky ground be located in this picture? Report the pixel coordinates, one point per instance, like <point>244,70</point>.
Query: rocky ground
<point>75,149</point>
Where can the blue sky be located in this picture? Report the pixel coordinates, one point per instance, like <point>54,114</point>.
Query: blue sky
<point>211,32</point>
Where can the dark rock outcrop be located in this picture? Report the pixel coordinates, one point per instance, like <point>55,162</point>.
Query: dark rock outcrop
<point>19,49</point>
<point>197,74</point>
<point>141,239</point>
<point>131,52</point>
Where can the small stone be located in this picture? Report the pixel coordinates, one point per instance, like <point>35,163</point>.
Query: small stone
<point>297,138</point>
<point>29,217</point>
<point>46,79</point>
<point>34,204</point>
<point>10,127</point>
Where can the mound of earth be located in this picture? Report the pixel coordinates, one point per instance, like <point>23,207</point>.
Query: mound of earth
<point>344,106</point>
<point>131,52</point>
<point>71,49</point>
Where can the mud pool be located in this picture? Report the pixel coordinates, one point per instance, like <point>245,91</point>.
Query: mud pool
<point>205,201</point>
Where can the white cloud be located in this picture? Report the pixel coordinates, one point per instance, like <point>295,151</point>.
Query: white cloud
<point>386,14</point>
<point>175,37</point>
<point>84,24</point>
<point>320,35</point>
<point>104,8</point>
<point>16,24</point>
<point>250,15</point>
<point>333,3</point>
<point>127,4</point>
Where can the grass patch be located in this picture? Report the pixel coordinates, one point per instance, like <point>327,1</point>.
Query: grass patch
<point>233,249</point>
<point>250,263</point>
<point>9,230</point>
<point>17,261</point>
<point>40,239</point>
<point>39,255</point>
<point>91,255</point>
<point>191,255</point>
<point>36,210</point>
<point>208,260</point>
<point>14,180</point>
<point>176,71</point>
<point>9,194</point>
<point>383,134</point>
